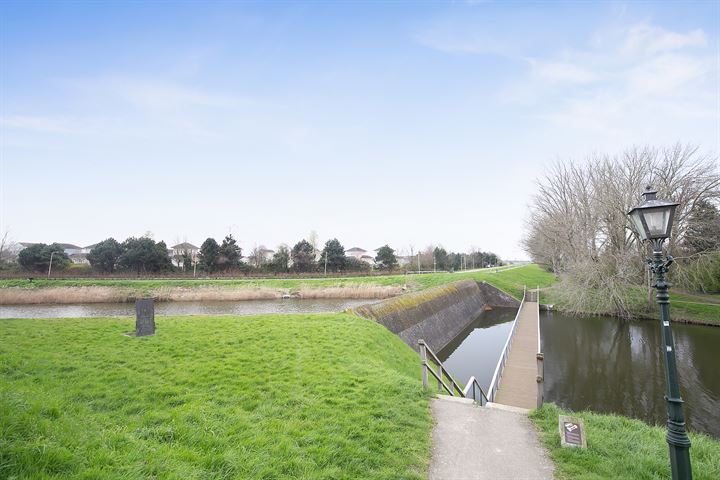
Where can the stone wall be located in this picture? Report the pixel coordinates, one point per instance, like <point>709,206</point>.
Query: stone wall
<point>436,315</point>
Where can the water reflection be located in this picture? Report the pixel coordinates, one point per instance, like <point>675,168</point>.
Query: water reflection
<point>476,350</point>
<point>610,365</point>
<point>248,307</point>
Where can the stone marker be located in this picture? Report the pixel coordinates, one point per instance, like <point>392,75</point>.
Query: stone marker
<point>572,432</point>
<point>144,317</point>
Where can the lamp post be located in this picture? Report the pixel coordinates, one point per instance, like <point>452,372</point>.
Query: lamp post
<point>653,220</point>
<point>52,254</point>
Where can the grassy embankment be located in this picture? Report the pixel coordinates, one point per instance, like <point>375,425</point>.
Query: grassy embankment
<point>74,291</point>
<point>621,448</point>
<point>685,307</point>
<point>274,396</point>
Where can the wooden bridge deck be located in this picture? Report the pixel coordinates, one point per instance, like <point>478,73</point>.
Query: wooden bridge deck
<point>518,386</point>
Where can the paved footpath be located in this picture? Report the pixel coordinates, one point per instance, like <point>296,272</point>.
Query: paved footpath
<point>474,443</point>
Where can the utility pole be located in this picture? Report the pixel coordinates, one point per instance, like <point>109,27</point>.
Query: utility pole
<point>326,253</point>
<point>50,267</point>
<point>418,261</point>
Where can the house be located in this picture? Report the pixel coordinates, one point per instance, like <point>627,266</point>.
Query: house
<point>87,249</point>
<point>361,254</point>
<point>177,252</point>
<point>356,252</point>
<point>70,249</point>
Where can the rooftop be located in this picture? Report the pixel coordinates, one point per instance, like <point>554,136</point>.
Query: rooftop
<point>185,246</point>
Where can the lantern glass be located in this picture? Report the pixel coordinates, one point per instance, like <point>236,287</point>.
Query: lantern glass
<point>636,218</point>
<point>657,220</point>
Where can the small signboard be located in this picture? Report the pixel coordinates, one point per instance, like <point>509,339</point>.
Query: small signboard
<point>572,432</point>
<point>144,317</point>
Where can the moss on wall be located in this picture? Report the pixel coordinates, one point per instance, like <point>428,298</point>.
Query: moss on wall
<point>435,315</point>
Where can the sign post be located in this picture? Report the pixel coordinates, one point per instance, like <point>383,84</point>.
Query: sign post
<point>572,432</point>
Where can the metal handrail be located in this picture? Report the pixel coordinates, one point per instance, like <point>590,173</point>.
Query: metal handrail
<point>497,376</point>
<point>471,385</point>
<point>454,386</point>
<point>424,349</point>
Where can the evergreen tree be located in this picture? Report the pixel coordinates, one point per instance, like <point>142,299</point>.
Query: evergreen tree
<point>143,255</point>
<point>209,255</point>
<point>229,254</point>
<point>334,252</point>
<point>105,255</point>
<point>442,261</point>
<point>386,258</point>
<point>281,259</point>
<point>36,258</point>
<point>303,257</point>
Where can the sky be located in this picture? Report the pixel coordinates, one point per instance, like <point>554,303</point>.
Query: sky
<point>401,123</point>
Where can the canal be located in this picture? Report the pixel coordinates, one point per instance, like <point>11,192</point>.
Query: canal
<point>246,307</point>
<point>604,364</point>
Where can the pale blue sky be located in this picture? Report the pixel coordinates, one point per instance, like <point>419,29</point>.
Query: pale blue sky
<point>406,123</point>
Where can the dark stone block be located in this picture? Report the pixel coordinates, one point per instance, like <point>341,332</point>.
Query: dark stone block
<point>144,317</point>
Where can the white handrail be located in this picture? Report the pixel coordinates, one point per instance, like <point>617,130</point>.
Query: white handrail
<point>471,385</point>
<point>539,349</point>
<point>497,376</point>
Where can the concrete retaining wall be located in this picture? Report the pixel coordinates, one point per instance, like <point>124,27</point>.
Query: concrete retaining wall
<point>436,315</point>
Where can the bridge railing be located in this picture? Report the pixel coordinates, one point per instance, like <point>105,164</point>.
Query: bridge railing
<point>473,387</point>
<point>497,376</point>
<point>540,358</point>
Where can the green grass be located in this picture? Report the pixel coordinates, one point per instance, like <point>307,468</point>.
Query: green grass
<point>274,396</point>
<point>510,280</point>
<point>697,307</point>
<point>621,448</point>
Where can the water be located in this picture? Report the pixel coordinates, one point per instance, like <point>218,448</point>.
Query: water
<point>247,307</point>
<point>611,365</point>
<point>475,351</point>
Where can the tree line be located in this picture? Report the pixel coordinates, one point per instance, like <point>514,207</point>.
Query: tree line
<point>142,255</point>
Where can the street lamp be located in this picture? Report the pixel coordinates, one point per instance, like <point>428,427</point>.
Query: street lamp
<point>52,254</point>
<point>653,220</point>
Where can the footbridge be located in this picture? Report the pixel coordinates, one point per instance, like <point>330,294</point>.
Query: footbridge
<point>518,377</point>
<point>497,440</point>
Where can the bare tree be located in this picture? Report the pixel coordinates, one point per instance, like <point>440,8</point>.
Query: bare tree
<point>580,230</point>
<point>8,248</point>
<point>257,256</point>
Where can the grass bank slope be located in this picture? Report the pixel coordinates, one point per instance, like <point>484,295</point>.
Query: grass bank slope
<point>684,307</point>
<point>621,448</point>
<point>274,396</point>
<point>509,279</point>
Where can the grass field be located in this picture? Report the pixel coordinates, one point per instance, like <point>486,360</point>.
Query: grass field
<point>276,396</point>
<point>511,280</point>
<point>621,448</point>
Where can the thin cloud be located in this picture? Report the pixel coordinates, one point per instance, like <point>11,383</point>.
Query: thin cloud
<point>44,124</point>
<point>563,72</point>
<point>154,94</point>
<point>648,39</point>
<point>642,82</point>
